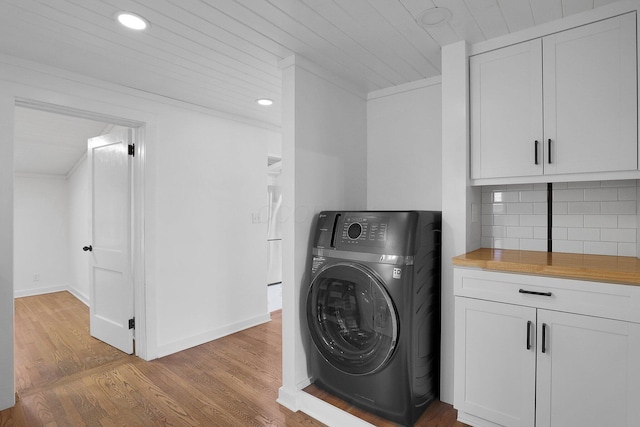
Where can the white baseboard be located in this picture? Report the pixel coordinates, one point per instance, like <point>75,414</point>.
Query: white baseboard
<point>299,400</point>
<point>80,296</point>
<point>327,413</point>
<point>288,399</point>
<point>39,291</point>
<point>176,346</point>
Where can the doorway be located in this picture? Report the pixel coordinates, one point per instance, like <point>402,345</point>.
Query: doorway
<point>51,205</point>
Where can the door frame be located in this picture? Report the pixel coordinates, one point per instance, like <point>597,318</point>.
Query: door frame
<point>137,185</point>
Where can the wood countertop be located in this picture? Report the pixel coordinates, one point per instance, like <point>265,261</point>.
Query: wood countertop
<point>604,268</point>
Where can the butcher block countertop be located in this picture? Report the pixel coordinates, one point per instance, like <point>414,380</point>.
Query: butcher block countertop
<point>603,268</point>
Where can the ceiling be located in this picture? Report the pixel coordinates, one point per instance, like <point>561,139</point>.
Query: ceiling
<point>51,144</point>
<point>224,54</point>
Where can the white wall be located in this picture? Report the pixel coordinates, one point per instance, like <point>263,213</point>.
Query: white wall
<point>41,233</point>
<point>404,147</point>
<point>79,236</point>
<point>204,175</point>
<point>210,255</point>
<point>324,167</point>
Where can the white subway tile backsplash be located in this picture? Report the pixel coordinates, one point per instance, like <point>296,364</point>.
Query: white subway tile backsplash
<point>627,193</point>
<point>533,220</point>
<point>540,208</point>
<point>601,194</point>
<point>520,208</point>
<point>583,234</point>
<point>568,246</point>
<point>568,220</point>
<point>598,217</point>
<point>487,219</point>
<point>505,196</point>
<point>585,207</point>
<point>584,184</point>
<point>601,248</point>
<point>620,235</point>
<point>601,221</point>
<point>506,243</point>
<point>499,208</point>
<point>627,249</point>
<point>627,221</point>
<point>618,183</point>
<point>574,195</point>
<point>506,220</point>
<point>540,233</point>
<point>559,233</point>
<point>520,232</point>
<point>533,245</point>
<point>560,208</point>
<point>533,196</point>
<point>620,207</point>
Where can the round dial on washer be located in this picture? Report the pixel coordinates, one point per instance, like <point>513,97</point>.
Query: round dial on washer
<point>354,231</point>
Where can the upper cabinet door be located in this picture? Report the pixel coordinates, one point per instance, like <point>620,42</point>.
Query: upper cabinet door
<point>506,111</point>
<point>590,98</point>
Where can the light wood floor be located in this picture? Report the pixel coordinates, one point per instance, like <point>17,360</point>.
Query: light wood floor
<point>64,377</point>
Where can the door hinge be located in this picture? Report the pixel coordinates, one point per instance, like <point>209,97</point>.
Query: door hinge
<point>132,323</point>
<point>132,150</point>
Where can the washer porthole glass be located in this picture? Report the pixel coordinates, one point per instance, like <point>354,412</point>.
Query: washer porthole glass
<point>352,320</point>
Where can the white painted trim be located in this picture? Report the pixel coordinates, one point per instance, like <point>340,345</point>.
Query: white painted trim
<point>40,291</point>
<point>39,176</point>
<point>327,413</point>
<point>576,177</point>
<point>394,90</point>
<point>176,346</point>
<point>288,399</point>
<point>74,112</point>
<point>584,18</point>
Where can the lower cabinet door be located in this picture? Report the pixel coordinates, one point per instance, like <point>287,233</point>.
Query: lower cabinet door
<point>588,371</point>
<point>495,366</point>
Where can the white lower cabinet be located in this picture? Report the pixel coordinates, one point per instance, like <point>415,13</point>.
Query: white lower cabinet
<point>521,365</point>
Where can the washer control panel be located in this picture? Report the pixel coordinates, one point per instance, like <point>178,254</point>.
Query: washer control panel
<point>366,230</point>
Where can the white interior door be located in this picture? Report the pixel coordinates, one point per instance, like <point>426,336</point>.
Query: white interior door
<point>111,284</point>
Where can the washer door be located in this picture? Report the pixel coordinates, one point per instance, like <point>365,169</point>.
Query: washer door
<point>351,318</point>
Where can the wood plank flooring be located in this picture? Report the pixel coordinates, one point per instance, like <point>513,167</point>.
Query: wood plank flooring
<point>64,377</point>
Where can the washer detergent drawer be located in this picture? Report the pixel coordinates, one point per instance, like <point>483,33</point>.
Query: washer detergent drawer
<point>613,301</point>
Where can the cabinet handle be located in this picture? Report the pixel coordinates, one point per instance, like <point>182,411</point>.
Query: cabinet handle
<point>544,337</point>
<point>549,151</point>
<point>529,335</point>
<point>535,152</point>
<point>544,294</point>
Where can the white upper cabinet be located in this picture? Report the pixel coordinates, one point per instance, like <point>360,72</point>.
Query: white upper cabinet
<point>562,104</point>
<point>590,98</point>
<point>506,111</point>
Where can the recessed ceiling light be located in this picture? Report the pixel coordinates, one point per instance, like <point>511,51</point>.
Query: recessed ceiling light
<point>264,101</point>
<point>434,17</point>
<point>131,20</point>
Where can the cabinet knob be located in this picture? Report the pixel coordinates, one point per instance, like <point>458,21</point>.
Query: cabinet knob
<point>549,151</point>
<point>87,248</point>
<point>535,151</point>
<point>544,337</point>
